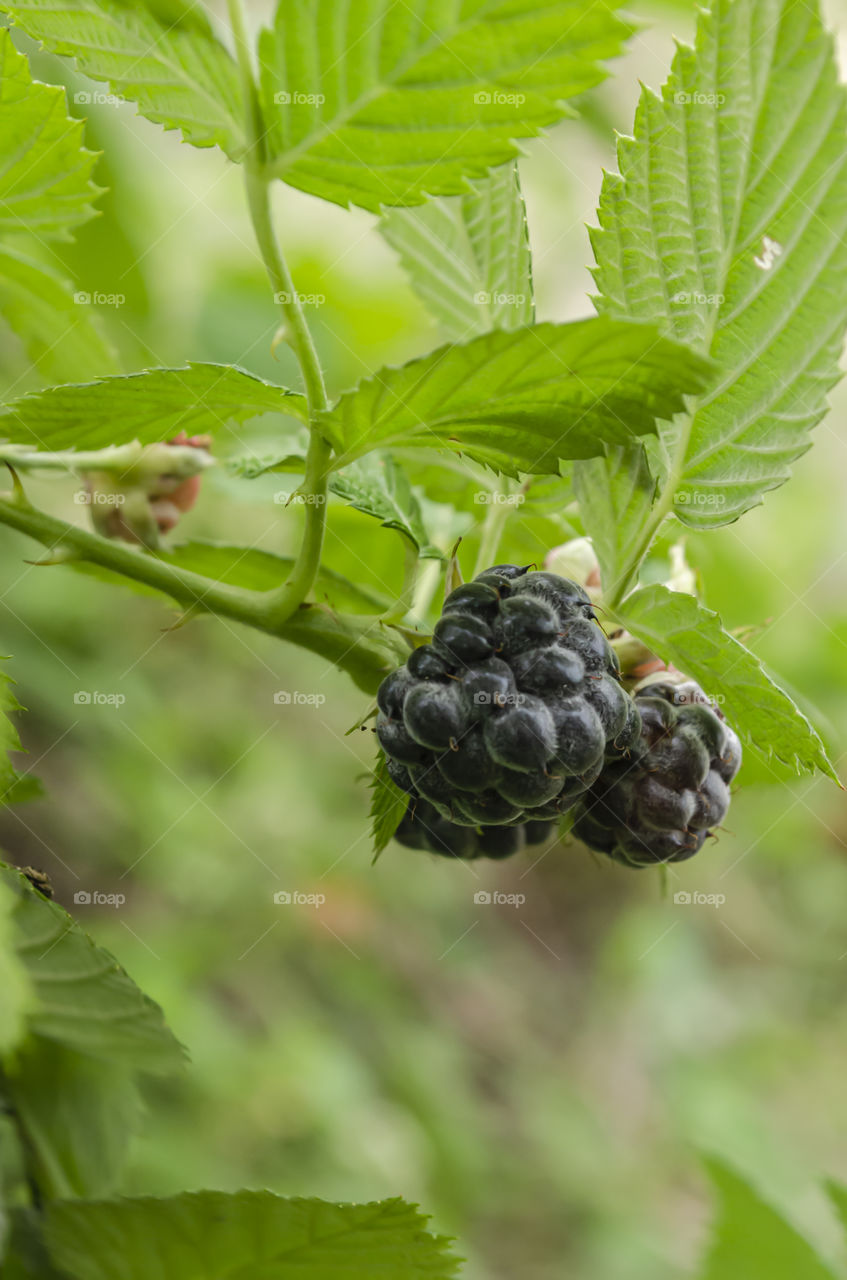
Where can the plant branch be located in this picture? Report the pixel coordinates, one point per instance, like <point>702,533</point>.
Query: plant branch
<point>132,462</point>
<point>185,587</point>
<point>361,645</point>
<point>411,565</point>
<point>314,487</point>
<point>491,531</point>
<point>661,508</point>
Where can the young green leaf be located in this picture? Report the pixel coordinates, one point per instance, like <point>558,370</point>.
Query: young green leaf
<point>150,406</point>
<point>378,486</point>
<point>374,103</point>
<point>59,333</point>
<point>253,1234</point>
<point>180,76</point>
<point>45,172</point>
<point>467,256</point>
<point>615,493</point>
<point>83,999</point>
<point>751,1240</point>
<point>674,626</point>
<point>728,225</point>
<point>78,1115</point>
<point>388,805</point>
<point>522,401</point>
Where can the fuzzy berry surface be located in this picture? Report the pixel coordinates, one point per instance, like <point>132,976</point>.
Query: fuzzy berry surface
<point>661,801</point>
<point>511,713</point>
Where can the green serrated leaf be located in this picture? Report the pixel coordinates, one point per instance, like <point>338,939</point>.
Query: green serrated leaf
<point>374,103</point>
<point>150,406</point>
<point>59,335</point>
<point>208,1235</point>
<point>45,172</point>
<point>180,76</point>
<point>751,1240</point>
<point>728,225</point>
<point>678,629</point>
<point>468,256</point>
<point>77,1113</point>
<point>615,494</point>
<point>83,998</point>
<point>379,487</point>
<point>522,401</point>
<point>388,805</point>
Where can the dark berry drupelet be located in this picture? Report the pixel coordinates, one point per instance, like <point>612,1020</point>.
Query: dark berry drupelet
<point>659,799</point>
<point>507,717</point>
<point>423,827</point>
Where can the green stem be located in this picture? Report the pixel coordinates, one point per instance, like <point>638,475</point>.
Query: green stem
<point>362,645</point>
<point>189,589</point>
<point>132,462</point>
<point>411,564</point>
<point>314,487</point>
<point>656,519</point>
<point>492,527</point>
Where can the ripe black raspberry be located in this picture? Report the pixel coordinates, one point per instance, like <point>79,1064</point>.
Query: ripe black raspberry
<point>507,717</point>
<point>661,793</point>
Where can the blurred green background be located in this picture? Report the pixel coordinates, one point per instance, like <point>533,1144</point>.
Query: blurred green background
<point>541,1078</point>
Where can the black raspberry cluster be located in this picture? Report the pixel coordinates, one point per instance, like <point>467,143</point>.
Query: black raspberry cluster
<point>504,721</point>
<point>515,715</point>
<point>661,803</point>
